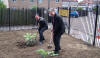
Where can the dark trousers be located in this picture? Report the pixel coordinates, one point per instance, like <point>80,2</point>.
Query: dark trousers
<point>56,40</point>
<point>41,30</point>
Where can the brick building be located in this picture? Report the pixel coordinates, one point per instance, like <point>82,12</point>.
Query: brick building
<point>96,2</point>
<point>86,3</point>
<point>19,4</point>
<point>67,3</point>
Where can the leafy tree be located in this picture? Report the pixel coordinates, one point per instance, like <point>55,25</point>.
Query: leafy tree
<point>2,5</point>
<point>34,7</point>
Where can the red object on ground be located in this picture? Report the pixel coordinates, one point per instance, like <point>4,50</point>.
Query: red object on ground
<point>98,37</point>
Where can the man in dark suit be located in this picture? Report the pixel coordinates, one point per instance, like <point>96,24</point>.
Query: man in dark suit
<point>58,29</point>
<point>42,27</point>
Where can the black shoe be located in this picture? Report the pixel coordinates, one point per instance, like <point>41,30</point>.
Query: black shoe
<point>56,52</point>
<point>43,39</point>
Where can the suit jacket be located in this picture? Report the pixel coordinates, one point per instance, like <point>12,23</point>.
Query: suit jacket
<point>58,24</point>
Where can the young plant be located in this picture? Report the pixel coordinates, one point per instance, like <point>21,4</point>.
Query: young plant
<point>44,53</point>
<point>51,53</point>
<point>30,38</point>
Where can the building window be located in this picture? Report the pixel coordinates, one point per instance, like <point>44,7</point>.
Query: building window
<point>40,1</point>
<point>31,0</point>
<point>57,0</point>
<point>22,0</point>
<point>14,8</point>
<point>14,0</point>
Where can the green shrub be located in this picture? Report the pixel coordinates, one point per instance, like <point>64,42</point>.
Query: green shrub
<point>30,38</point>
<point>79,8</point>
<point>94,9</point>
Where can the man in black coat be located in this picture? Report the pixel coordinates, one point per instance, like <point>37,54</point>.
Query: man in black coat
<point>58,29</point>
<point>42,27</point>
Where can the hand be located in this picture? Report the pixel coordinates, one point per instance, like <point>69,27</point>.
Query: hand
<point>38,24</point>
<point>52,30</point>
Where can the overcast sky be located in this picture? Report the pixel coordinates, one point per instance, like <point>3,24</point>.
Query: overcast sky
<point>79,0</point>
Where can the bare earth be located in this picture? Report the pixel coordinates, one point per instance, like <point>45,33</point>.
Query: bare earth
<point>71,47</point>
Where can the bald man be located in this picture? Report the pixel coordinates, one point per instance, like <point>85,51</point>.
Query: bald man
<point>42,27</point>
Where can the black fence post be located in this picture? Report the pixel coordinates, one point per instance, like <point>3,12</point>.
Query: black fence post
<point>58,10</point>
<point>43,12</point>
<point>48,10</point>
<point>69,21</point>
<point>37,13</point>
<point>9,19</point>
<point>1,17</point>
<point>95,25</point>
